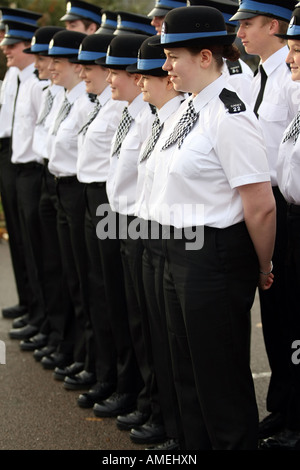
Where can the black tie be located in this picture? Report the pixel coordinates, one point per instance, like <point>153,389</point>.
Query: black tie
<point>263,80</point>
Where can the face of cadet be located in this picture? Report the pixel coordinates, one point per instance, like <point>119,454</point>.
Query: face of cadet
<point>255,34</point>
<point>157,22</point>
<point>41,64</point>
<point>293,58</point>
<point>15,56</point>
<point>184,69</point>
<point>94,77</point>
<point>79,26</point>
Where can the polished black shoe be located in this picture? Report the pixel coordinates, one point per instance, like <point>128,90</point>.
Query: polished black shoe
<point>284,440</point>
<point>19,322</point>
<point>25,332</point>
<point>55,359</point>
<point>98,393</point>
<point>130,420</point>
<point>37,341</point>
<point>14,312</point>
<point>148,433</point>
<point>169,444</point>
<point>116,404</point>
<point>270,425</point>
<point>38,354</point>
<point>81,381</point>
<point>60,373</point>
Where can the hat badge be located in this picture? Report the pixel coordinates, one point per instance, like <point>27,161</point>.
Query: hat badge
<point>292,21</point>
<point>163,29</point>
<point>33,41</point>
<point>69,6</point>
<point>80,49</point>
<point>51,43</point>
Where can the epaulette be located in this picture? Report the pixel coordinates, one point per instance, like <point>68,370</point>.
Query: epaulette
<point>234,67</point>
<point>231,101</point>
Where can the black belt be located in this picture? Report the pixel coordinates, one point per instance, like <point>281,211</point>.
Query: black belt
<point>66,179</point>
<point>5,141</point>
<point>293,209</point>
<point>97,184</point>
<point>28,165</point>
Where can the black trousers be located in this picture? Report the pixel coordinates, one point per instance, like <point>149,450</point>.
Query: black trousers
<point>71,233</point>
<point>274,312</point>
<point>28,190</point>
<point>58,303</point>
<point>153,269</point>
<point>116,361</point>
<point>8,175</point>
<point>208,294</point>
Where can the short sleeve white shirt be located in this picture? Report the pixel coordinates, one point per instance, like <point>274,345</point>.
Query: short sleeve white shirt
<point>240,79</point>
<point>7,98</point>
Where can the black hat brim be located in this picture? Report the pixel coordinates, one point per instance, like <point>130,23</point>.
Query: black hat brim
<point>71,17</point>
<point>244,15</point>
<point>158,72</point>
<point>10,41</point>
<point>75,60</point>
<point>287,36</point>
<point>102,62</point>
<point>158,12</point>
<point>225,40</point>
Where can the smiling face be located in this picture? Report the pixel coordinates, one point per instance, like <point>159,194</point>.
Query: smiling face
<point>41,64</point>
<point>64,73</point>
<point>123,85</point>
<point>16,57</point>
<point>183,69</point>
<point>157,22</point>
<point>155,89</point>
<point>94,77</point>
<point>293,58</point>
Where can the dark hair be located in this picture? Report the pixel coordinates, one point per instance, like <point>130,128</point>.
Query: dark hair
<point>230,52</point>
<point>87,23</point>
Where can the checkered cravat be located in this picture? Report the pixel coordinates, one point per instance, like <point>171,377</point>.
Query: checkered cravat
<point>294,129</point>
<point>92,115</point>
<point>62,114</point>
<point>183,127</point>
<point>156,131</point>
<point>47,108</point>
<point>122,131</point>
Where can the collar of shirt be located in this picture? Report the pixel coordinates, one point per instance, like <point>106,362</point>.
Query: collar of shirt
<point>135,107</point>
<point>104,96</point>
<point>209,92</point>
<point>77,91</point>
<point>54,89</point>
<point>275,60</point>
<point>26,73</point>
<point>169,108</point>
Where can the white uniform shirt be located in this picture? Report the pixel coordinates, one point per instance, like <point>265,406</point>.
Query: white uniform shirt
<point>279,106</point>
<point>240,79</point>
<point>288,169</point>
<point>63,147</point>
<point>122,177</point>
<point>94,148</point>
<point>196,184</point>
<point>26,112</point>
<point>41,130</point>
<point>7,98</point>
<point>146,168</point>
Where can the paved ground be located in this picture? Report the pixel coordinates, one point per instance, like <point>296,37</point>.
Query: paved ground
<point>37,413</point>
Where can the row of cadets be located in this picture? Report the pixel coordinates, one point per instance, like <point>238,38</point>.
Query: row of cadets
<point>274,99</point>
<point>209,290</point>
<point>7,169</point>
<point>157,90</point>
<point>27,163</point>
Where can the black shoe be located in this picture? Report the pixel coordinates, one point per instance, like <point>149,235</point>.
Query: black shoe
<point>116,404</point>
<point>25,332</point>
<point>284,440</point>
<point>270,425</point>
<point>130,420</point>
<point>98,393</point>
<point>60,373</point>
<point>81,381</point>
<point>37,341</point>
<point>38,354</point>
<point>14,312</point>
<point>170,444</point>
<point>148,433</point>
<point>55,359</point>
<point>19,322</point>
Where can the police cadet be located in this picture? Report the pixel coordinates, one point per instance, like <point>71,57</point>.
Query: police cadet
<point>115,359</point>
<point>274,101</point>
<point>133,128</point>
<point>157,90</point>
<point>82,16</point>
<point>213,197</point>
<point>8,172</point>
<point>288,166</point>
<point>62,151</point>
<point>28,166</point>
<point>160,10</point>
<point>109,22</point>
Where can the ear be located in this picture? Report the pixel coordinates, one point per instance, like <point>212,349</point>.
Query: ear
<point>205,58</point>
<point>169,83</point>
<point>137,77</point>
<point>273,26</point>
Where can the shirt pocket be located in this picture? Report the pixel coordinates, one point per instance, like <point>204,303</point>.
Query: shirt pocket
<point>272,112</point>
<point>193,157</point>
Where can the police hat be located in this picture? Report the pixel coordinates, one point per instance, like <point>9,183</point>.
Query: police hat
<point>293,31</point>
<point>150,60</point>
<point>65,44</point>
<point>79,10</point>
<point>93,47</point>
<point>109,22</point>
<point>41,39</point>
<point>18,14</point>
<point>121,53</point>
<point>194,26</point>
<point>279,9</point>
<point>17,32</point>
<point>226,7</point>
<point>133,23</point>
<point>162,7</point>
